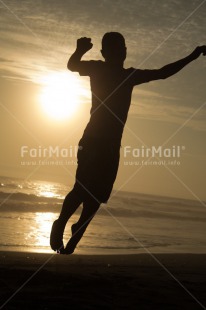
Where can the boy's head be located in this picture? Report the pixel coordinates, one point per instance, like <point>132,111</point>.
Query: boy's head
<point>113,47</point>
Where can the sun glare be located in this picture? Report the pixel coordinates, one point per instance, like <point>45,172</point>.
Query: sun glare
<point>61,95</point>
<point>43,228</point>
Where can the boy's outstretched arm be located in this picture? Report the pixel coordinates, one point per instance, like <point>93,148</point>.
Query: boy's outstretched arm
<point>175,67</point>
<point>83,46</point>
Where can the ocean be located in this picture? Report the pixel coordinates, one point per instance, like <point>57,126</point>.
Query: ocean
<point>130,223</point>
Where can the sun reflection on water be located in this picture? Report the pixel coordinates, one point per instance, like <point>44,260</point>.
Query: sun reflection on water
<point>43,228</point>
<point>49,190</point>
<point>47,194</point>
<point>40,230</point>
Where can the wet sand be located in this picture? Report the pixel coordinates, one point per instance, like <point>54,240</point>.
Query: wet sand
<point>46,281</point>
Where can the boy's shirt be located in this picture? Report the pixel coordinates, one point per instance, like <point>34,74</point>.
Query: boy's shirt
<point>111,96</point>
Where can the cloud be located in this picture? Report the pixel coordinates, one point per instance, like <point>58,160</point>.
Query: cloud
<point>38,38</point>
<point>50,30</point>
<point>171,112</point>
<point>5,60</point>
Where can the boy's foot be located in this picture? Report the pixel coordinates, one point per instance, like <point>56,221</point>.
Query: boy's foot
<point>75,238</point>
<point>56,237</point>
<point>69,248</point>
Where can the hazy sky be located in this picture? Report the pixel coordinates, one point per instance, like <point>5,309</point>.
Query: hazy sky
<point>37,38</point>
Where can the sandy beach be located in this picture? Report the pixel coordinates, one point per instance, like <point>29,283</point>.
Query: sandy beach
<point>45,281</point>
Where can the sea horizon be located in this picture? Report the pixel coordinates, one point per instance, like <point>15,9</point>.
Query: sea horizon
<point>130,223</point>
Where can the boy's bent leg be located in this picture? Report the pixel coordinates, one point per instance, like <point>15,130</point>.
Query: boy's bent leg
<point>89,210</point>
<point>70,204</point>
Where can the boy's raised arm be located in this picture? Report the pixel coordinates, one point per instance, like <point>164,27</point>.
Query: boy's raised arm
<point>175,67</point>
<point>83,46</point>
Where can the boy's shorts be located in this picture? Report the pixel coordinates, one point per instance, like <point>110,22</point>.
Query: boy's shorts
<point>98,161</point>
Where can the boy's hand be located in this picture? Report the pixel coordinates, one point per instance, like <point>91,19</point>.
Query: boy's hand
<point>84,45</point>
<point>203,50</point>
<point>198,51</point>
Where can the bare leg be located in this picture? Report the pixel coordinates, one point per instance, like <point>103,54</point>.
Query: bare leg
<point>89,210</point>
<point>70,204</point>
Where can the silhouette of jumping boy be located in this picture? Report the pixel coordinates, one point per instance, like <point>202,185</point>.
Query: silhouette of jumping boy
<point>98,154</point>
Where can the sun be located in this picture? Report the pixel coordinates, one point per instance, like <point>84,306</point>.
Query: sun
<point>60,97</point>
